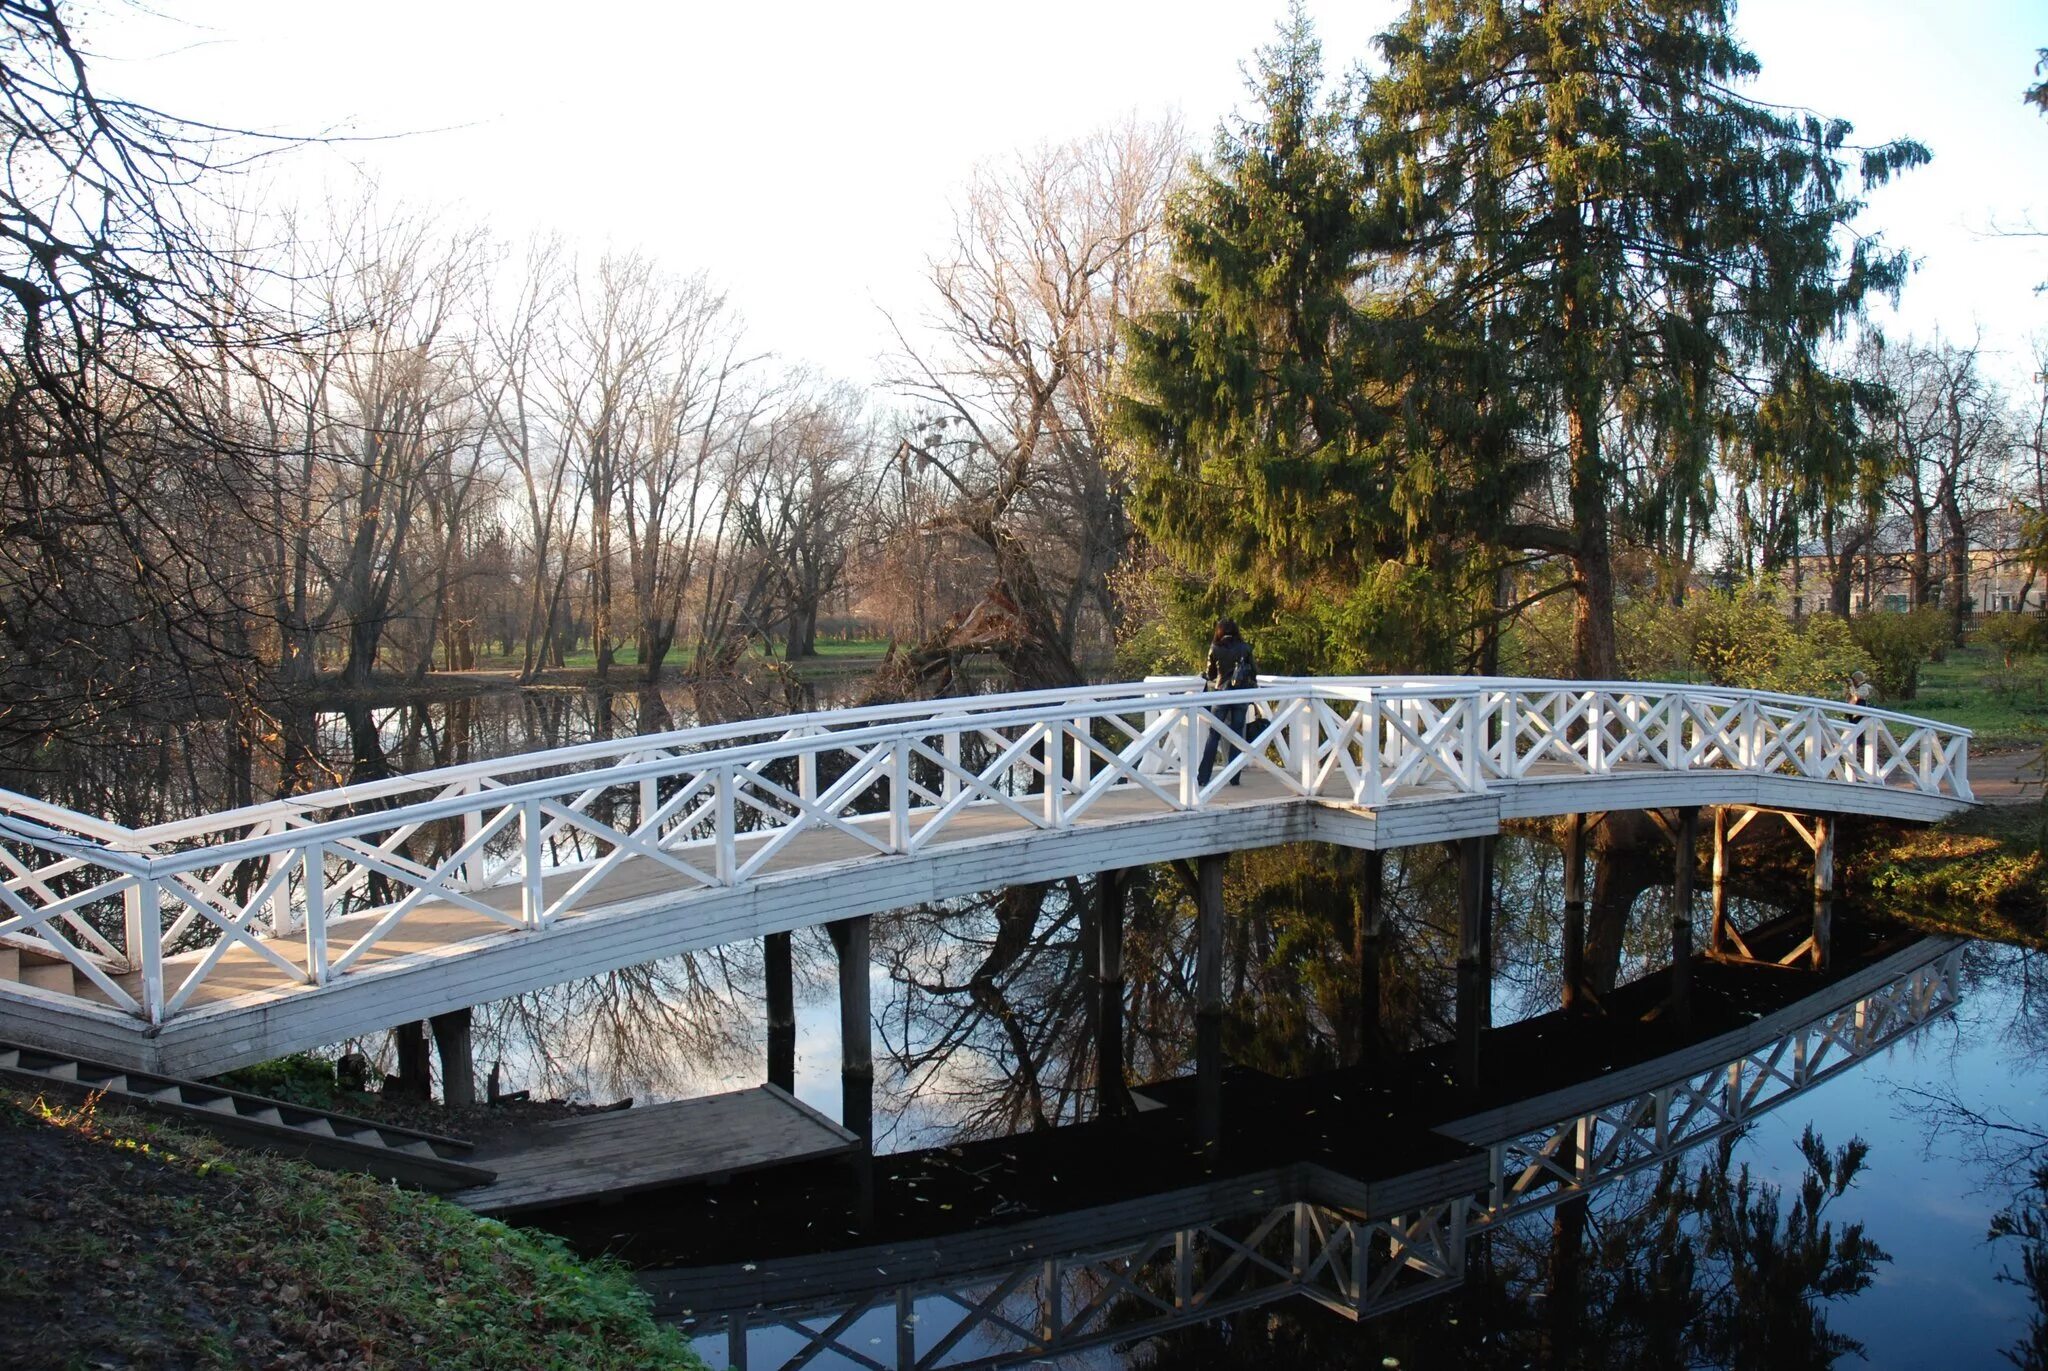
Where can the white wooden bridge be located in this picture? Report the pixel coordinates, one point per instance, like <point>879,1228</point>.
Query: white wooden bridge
<point>200,945</point>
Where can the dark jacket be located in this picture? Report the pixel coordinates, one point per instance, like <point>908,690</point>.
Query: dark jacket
<point>1224,661</point>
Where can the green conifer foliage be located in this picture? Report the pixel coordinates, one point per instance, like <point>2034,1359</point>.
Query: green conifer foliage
<point>1582,186</point>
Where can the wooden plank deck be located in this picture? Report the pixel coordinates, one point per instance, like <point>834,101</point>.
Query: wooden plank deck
<point>604,1156</point>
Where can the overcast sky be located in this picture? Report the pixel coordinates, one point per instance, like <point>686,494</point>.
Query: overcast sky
<point>806,154</point>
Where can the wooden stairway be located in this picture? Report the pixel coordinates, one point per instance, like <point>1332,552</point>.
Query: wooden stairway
<point>339,1142</point>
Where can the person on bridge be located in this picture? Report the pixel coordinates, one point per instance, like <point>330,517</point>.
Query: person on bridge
<point>1229,668</point>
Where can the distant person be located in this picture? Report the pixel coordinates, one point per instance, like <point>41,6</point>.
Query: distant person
<point>1860,691</point>
<point>1230,668</point>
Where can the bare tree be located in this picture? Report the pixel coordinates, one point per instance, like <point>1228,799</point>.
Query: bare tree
<point>1049,253</point>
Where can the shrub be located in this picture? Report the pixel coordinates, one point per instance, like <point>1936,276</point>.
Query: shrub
<point>1898,644</point>
<point>1738,638</point>
<point>2011,635</point>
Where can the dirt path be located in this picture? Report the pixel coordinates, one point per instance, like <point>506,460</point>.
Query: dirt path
<point>2007,776</point>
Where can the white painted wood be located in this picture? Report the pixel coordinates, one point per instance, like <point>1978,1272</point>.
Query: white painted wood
<point>548,839</point>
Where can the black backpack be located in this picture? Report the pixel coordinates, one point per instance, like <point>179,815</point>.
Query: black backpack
<point>1243,674</point>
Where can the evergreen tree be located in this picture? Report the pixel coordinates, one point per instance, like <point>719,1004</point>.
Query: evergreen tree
<point>1580,188</point>
<point>1290,478</point>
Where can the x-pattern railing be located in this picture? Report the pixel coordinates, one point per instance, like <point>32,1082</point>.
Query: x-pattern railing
<point>146,916</point>
<point>1561,1159</point>
<point>1124,1292</point>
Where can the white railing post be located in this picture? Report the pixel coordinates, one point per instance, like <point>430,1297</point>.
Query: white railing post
<point>1596,735</point>
<point>725,821</point>
<point>1307,740</point>
<point>1190,793</point>
<point>1472,734</point>
<point>280,902</point>
<point>473,869</point>
<point>1084,761</point>
<point>313,870</point>
<point>1052,744</point>
<point>531,908</point>
<point>1675,714</point>
<point>807,775</point>
<point>1959,771</point>
<point>899,795</point>
<point>142,906</point>
<point>1372,787</point>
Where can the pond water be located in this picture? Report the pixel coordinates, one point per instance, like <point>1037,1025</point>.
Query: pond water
<point>982,1034</point>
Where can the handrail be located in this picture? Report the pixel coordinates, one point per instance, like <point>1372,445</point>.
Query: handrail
<point>716,803</point>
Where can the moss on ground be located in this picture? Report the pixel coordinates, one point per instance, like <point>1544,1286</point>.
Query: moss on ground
<point>132,1243</point>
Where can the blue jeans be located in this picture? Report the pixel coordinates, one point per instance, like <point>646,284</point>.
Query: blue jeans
<point>1232,716</point>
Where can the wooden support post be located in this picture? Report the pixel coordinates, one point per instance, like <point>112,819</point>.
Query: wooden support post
<point>415,1062</point>
<point>1474,989</point>
<point>1368,945</point>
<point>1823,889</point>
<point>856,1025</point>
<point>1685,843</point>
<point>1574,955</point>
<point>1717,935</point>
<point>1112,1097</point>
<point>779,967</point>
<point>458,1066</point>
<point>1209,936</point>
<point>1209,998</point>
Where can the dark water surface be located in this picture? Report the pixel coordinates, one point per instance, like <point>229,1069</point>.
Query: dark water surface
<point>982,1034</point>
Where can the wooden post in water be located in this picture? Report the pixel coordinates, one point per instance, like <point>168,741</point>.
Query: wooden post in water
<point>1685,842</point>
<point>1474,983</point>
<point>1823,890</point>
<point>415,1062</point>
<point>780,972</point>
<point>1574,957</point>
<point>1368,947</point>
<point>458,1067</point>
<point>1112,1098</point>
<point>1209,998</point>
<point>1717,934</point>
<point>856,1045</point>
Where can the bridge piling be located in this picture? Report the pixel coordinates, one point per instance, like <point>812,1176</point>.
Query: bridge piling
<point>1823,890</point>
<point>1209,996</point>
<point>1685,843</point>
<point>1112,1097</point>
<point>1368,946</point>
<point>856,1028</point>
<point>1717,934</point>
<point>1574,956</point>
<point>1475,940</point>
<point>458,1065</point>
<point>779,971</point>
<point>415,1062</point>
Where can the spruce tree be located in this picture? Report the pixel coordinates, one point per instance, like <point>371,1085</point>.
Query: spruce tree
<point>1581,188</point>
<point>1290,477</point>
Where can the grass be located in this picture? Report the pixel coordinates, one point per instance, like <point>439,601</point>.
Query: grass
<point>1981,873</point>
<point>133,1243</point>
<point>1974,688</point>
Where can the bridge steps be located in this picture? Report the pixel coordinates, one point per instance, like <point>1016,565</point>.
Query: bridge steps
<point>339,1142</point>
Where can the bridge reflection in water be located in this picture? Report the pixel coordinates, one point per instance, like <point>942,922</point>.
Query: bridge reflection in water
<point>1360,1190</point>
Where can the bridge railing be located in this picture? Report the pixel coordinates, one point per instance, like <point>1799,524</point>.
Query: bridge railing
<point>321,886</point>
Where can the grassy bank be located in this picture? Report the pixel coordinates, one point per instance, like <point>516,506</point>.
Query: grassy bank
<point>130,1243</point>
<point>1974,688</point>
<point>1981,873</point>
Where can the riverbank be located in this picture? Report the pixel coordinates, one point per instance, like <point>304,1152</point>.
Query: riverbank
<point>131,1243</point>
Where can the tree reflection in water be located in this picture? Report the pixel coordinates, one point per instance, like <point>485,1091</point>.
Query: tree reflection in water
<point>1697,1265</point>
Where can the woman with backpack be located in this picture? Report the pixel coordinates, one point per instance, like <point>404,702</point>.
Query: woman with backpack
<point>1229,668</point>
